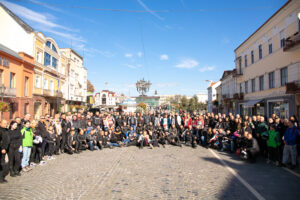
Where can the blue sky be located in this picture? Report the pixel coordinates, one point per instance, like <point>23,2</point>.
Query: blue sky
<point>177,48</point>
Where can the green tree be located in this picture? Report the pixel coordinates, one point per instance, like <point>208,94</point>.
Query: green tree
<point>184,104</point>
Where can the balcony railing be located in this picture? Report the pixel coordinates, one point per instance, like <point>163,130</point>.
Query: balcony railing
<point>52,93</point>
<point>10,92</point>
<point>239,96</point>
<point>293,87</point>
<point>292,43</point>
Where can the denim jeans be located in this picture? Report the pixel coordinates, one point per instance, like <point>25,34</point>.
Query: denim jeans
<point>290,150</point>
<point>126,141</point>
<point>92,146</point>
<point>113,144</point>
<point>26,156</point>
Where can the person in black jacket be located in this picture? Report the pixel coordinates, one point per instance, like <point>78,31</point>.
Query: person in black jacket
<point>66,127</point>
<point>4,143</point>
<point>71,145</point>
<point>82,140</point>
<point>250,148</point>
<point>15,149</point>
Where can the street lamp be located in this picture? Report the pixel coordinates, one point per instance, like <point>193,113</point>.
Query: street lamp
<point>2,90</point>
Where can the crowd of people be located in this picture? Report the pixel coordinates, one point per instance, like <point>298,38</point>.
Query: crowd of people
<point>24,143</point>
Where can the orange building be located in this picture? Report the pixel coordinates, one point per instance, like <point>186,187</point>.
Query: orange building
<point>16,83</point>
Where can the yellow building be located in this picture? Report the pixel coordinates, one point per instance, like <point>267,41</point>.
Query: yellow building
<point>267,64</point>
<point>49,76</point>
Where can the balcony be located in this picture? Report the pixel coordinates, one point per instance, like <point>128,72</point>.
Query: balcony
<point>293,87</point>
<point>52,93</point>
<point>239,96</point>
<point>292,43</point>
<point>10,92</point>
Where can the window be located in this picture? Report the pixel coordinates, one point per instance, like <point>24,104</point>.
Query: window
<point>1,77</point>
<point>26,86</point>
<point>246,87</point>
<point>5,62</point>
<point>26,108</point>
<point>261,83</point>
<point>252,57</point>
<point>54,48</point>
<point>271,80</point>
<point>12,80</point>
<point>253,85</point>
<point>241,88</point>
<point>260,51</point>
<point>11,110</point>
<point>283,76</point>
<point>45,84</point>
<point>48,44</point>
<point>240,66</point>
<point>51,85</point>
<point>282,38</point>
<point>0,61</point>
<point>270,46</point>
<point>246,61</point>
<point>39,56</point>
<point>47,59</point>
<point>38,82</point>
<point>54,62</point>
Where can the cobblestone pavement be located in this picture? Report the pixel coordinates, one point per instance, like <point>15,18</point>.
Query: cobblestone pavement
<point>130,173</point>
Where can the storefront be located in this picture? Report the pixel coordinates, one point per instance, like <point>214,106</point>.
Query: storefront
<point>254,107</point>
<point>278,107</point>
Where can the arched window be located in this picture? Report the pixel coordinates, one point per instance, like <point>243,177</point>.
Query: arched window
<point>103,99</point>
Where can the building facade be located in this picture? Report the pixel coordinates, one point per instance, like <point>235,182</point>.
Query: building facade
<point>49,74</point>
<point>265,64</point>
<point>76,81</point>
<point>16,83</point>
<point>228,90</point>
<point>212,96</point>
<point>105,99</point>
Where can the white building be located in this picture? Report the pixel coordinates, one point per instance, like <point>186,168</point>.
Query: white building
<point>20,37</point>
<point>129,105</point>
<point>212,94</point>
<point>228,89</point>
<point>202,98</point>
<point>105,98</point>
<point>76,83</point>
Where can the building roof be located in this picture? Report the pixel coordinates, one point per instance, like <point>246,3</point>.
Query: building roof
<point>23,24</point>
<point>289,1</point>
<point>227,73</point>
<point>72,50</point>
<point>9,51</point>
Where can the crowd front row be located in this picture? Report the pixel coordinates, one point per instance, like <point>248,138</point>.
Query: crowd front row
<point>25,143</point>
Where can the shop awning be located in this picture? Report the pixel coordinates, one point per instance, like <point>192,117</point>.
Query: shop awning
<point>251,103</point>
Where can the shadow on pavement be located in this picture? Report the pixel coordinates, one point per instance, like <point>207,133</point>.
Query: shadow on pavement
<point>269,181</point>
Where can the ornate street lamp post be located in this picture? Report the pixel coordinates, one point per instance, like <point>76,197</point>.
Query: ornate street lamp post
<point>2,90</point>
<point>143,86</point>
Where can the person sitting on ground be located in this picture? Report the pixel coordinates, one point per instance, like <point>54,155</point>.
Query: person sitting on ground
<point>251,149</point>
<point>92,140</point>
<point>81,138</point>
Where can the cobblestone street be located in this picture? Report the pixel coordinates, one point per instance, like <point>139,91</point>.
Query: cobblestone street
<point>130,173</point>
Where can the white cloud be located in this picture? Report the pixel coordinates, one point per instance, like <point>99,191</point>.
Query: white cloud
<point>139,54</point>
<point>187,63</point>
<point>131,66</point>
<point>208,68</point>
<point>225,40</point>
<point>128,55</point>
<point>39,18</point>
<point>164,57</point>
<point>149,10</point>
<point>43,22</point>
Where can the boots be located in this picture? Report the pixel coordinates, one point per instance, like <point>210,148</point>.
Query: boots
<point>12,173</point>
